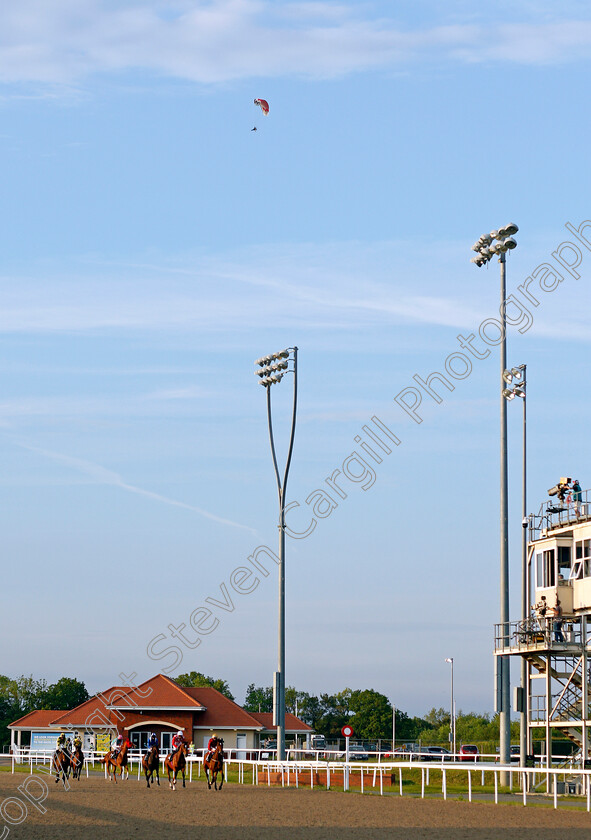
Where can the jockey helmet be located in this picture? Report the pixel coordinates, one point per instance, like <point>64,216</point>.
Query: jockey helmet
<point>152,734</point>
<point>180,732</point>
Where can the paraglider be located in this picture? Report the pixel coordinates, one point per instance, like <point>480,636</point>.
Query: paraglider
<point>263,105</point>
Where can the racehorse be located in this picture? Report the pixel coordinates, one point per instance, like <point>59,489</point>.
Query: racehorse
<point>150,764</point>
<point>215,765</point>
<point>61,764</point>
<point>176,764</point>
<point>119,763</point>
<point>77,763</point>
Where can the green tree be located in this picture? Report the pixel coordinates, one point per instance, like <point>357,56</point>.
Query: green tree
<point>66,693</point>
<point>195,679</point>
<point>371,714</point>
<point>295,700</point>
<point>258,699</point>
<point>310,711</point>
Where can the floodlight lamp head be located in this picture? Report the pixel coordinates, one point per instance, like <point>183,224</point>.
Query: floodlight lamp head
<point>510,243</point>
<point>508,376</point>
<point>519,392</point>
<point>486,238</point>
<point>508,394</point>
<point>501,248</point>
<point>511,229</point>
<point>475,247</point>
<point>450,660</point>
<point>517,372</point>
<point>494,234</point>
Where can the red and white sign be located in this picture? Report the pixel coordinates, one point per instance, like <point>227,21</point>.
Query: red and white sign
<point>347,731</point>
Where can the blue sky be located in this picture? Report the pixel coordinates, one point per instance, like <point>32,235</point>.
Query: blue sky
<point>153,247</point>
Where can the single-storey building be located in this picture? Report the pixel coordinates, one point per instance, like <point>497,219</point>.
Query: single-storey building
<point>158,705</point>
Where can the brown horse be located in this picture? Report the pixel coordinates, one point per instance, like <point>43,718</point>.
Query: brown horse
<point>61,764</point>
<point>150,764</point>
<point>118,763</point>
<point>215,765</point>
<point>176,763</point>
<point>77,763</point>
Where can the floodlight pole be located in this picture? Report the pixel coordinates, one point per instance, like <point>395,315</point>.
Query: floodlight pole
<point>524,587</point>
<point>499,242</point>
<point>505,676</point>
<point>279,687</point>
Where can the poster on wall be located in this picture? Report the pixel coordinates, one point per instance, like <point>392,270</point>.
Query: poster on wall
<point>103,741</point>
<point>44,740</point>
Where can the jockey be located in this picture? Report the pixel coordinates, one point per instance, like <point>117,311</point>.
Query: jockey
<point>61,741</point>
<point>153,742</point>
<point>211,745</point>
<point>77,742</point>
<point>178,741</point>
<point>116,745</point>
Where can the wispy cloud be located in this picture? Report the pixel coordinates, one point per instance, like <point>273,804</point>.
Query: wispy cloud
<point>327,287</point>
<point>65,41</point>
<point>100,475</point>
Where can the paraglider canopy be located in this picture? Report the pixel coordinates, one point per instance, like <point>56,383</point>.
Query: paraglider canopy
<point>263,105</point>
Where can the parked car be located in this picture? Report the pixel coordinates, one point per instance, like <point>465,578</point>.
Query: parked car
<point>270,750</point>
<point>400,752</point>
<point>468,752</point>
<point>515,753</point>
<point>434,754</point>
<point>357,753</point>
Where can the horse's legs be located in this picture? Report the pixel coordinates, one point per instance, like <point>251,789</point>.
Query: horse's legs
<point>222,775</point>
<point>183,772</point>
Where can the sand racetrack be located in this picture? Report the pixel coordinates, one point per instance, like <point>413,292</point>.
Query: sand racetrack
<point>94,808</point>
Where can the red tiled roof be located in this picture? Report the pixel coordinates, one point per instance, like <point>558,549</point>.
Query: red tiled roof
<point>92,712</point>
<point>292,723</point>
<point>40,717</point>
<point>211,708</point>
<point>159,691</point>
<point>220,710</point>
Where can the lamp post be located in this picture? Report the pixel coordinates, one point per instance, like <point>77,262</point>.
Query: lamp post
<point>270,371</point>
<point>498,242</point>
<point>452,716</point>
<point>517,375</point>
